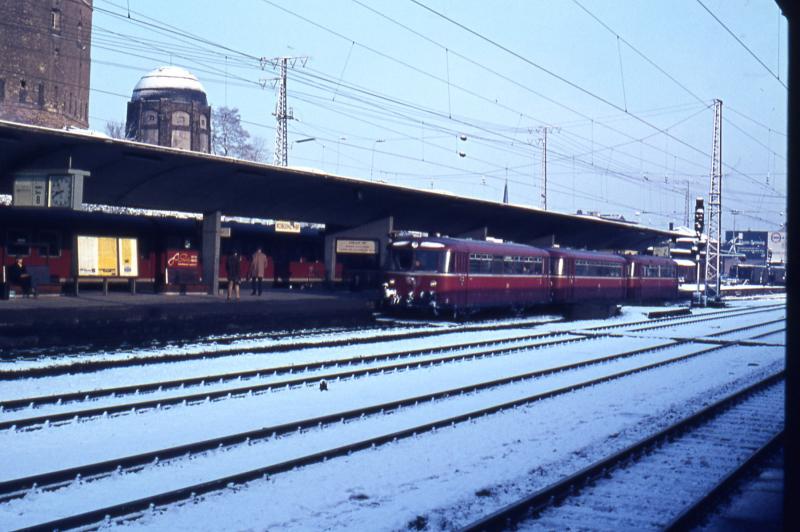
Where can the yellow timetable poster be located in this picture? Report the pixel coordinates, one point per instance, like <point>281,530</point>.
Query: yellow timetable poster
<point>107,256</point>
<point>128,265</point>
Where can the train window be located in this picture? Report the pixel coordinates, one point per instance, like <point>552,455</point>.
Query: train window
<point>582,268</point>
<point>18,243</point>
<point>538,266</point>
<point>509,265</point>
<point>423,260</point>
<point>49,244</point>
<point>497,265</point>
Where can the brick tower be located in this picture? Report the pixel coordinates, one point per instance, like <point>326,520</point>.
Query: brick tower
<point>45,56</point>
<point>169,108</point>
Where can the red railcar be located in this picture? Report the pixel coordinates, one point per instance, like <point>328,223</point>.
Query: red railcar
<point>456,276</point>
<point>651,278</point>
<point>586,277</point>
<point>451,275</point>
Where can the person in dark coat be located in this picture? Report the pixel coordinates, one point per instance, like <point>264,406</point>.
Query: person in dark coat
<point>18,274</point>
<point>234,265</point>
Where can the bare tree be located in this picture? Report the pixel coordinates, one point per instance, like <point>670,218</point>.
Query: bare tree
<point>115,129</point>
<point>229,138</point>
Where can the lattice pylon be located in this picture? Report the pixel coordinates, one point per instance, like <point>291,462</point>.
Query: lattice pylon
<point>281,116</point>
<point>714,226</point>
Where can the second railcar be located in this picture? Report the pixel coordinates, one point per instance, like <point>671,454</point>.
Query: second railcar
<point>651,278</point>
<point>586,277</point>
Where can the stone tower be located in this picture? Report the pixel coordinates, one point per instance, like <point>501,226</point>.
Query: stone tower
<point>45,55</point>
<point>169,108</point>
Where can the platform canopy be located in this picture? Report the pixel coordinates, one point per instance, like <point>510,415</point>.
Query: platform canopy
<point>132,174</point>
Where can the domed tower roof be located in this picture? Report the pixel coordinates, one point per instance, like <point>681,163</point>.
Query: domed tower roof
<point>171,82</point>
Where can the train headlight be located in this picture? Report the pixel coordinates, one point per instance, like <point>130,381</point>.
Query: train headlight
<point>434,283</point>
<point>391,282</point>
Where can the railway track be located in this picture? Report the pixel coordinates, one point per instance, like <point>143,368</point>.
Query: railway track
<point>130,509</point>
<point>652,474</point>
<point>529,342</point>
<point>90,366</point>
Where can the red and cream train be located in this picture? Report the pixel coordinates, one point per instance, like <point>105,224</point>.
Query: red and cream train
<point>453,276</point>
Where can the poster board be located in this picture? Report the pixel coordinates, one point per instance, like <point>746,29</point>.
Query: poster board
<point>128,253</point>
<point>107,256</point>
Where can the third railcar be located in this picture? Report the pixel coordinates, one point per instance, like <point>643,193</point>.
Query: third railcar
<point>457,276</point>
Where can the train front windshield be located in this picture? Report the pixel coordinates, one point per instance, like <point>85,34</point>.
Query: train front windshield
<point>417,260</point>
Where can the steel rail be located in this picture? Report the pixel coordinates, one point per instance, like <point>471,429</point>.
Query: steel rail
<point>18,487</point>
<point>518,511</point>
<point>224,393</point>
<point>76,415</point>
<point>691,515</point>
<point>91,366</point>
<point>15,404</point>
<point>671,319</point>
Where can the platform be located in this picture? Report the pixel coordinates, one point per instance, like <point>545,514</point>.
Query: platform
<point>98,320</point>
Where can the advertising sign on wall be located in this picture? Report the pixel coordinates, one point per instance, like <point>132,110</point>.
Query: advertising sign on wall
<point>753,244</point>
<point>182,258</point>
<point>776,245</point>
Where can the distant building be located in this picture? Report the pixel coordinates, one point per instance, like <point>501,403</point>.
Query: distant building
<point>169,108</point>
<point>45,56</point>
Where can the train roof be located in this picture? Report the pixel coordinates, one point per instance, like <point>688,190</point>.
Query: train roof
<point>649,259</point>
<point>586,254</point>
<point>476,246</point>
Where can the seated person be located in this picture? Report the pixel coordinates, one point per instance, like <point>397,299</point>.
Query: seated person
<point>18,274</point>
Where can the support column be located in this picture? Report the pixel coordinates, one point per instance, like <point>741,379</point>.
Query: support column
<point>377,230</point>
<point>212,223</point>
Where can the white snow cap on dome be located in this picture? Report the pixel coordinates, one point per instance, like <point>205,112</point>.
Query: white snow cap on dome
<point>169,77</point>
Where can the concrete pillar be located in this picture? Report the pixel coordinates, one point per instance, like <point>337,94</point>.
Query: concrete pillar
<point>376,230</point>
<point>212,223</point>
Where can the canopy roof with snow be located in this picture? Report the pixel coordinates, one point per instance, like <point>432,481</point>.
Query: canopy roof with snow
<point>171,82</point>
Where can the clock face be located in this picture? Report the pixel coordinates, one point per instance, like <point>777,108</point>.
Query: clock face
<point>61,191</point>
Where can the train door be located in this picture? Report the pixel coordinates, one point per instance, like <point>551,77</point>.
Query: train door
<point>461,270</point>
<point>567,265</point>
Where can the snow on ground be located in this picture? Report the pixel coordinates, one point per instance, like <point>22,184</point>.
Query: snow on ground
<point>243,361</point>
<point>434,476</point>
<point>437,476</point>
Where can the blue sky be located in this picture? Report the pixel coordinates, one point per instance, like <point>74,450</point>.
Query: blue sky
<point>390,88</point>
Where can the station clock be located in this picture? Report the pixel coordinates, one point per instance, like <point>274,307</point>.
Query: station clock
<point>60,191</point>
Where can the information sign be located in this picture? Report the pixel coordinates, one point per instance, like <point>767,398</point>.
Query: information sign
<point>356,247</point>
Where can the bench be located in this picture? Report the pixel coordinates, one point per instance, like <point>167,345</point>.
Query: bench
<point>43,281</point>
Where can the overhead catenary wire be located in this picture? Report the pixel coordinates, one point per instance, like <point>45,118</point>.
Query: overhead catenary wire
<point>243,61</point>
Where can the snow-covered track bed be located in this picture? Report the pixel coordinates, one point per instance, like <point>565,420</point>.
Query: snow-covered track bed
<point>673,321</point>
<point>470,350</point>
<point>43,366</point>
<point>654,483</point>
<point>114,402</point>
<point>75,477</point>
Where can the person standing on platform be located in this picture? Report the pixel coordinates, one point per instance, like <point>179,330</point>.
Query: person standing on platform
<point>257,267</point>
<point>234,266</point>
